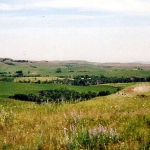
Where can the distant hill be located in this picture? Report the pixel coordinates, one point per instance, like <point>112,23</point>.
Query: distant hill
<point>73,62</point>
<point>29,68</point>
<point>143,62</point>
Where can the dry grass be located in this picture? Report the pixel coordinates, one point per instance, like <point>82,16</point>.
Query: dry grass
<point>25,126</point>
<point>35,79</point>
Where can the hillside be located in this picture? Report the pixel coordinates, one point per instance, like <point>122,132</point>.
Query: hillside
<point>118,121</point>
<point>72,105</point>
<point>73,68</point>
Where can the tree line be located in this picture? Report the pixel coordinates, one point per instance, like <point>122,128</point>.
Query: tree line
<point>59,95</point>
<point>81,80</point>
<point>95,80</point>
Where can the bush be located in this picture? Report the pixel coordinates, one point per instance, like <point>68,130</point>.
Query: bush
<point>7,79</point>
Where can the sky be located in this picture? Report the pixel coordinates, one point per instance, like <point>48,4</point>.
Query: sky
<point>91,30</point>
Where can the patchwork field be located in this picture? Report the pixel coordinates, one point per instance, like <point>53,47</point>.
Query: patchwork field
<point>120,120</point>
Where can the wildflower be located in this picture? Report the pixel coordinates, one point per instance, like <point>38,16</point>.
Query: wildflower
<point>75,120</point>
<point>79,116</point>
<point>90,133</point>
<point>95,132</point>
<point>113,132</point>
<point>101,129</point>
<point>65,134</point>
<point>74,117</point>
<point>72,127</point>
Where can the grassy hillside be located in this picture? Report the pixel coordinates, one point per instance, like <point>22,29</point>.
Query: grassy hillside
<point>118,121</point>
<point>121,121</point>
<point>71,68</point>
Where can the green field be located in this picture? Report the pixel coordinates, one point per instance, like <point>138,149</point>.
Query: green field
<point>74,68</point>
<point>119,121</point>
<point>10,88</point>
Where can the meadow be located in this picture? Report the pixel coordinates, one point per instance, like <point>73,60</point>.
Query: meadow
<point>10,88</point>
<point>73,68</point>
<point>117,121</point>
<point>120,120</point>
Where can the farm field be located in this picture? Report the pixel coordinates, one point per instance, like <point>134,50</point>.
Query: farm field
<point>120,120</point>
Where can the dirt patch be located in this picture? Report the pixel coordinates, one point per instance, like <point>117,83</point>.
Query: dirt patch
<point>131,90</point>
<point>142,88</point>
<point>139,88</point>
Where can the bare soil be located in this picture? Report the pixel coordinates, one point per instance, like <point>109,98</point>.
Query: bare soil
<point>139,88</point>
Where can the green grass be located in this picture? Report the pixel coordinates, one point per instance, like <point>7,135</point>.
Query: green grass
<point>49,69</point>
<point>29,126</point>
<point>10,88</point>
<point>25,125</point>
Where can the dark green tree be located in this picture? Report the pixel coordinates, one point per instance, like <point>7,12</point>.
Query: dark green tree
<point>58,70</point>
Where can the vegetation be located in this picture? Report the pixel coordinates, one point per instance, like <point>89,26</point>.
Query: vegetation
<point>11,88</point>
<point>84,118</point>
<point>73,68</point>
<point>58,70</point>
<point>95,80</point>
<point>59,95</point>
<point>97,138</point>
<point>111,122</point>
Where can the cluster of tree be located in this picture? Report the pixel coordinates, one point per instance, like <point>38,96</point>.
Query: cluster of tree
<point>5,74</point>
<point>58,95</point>
<point>84,80</point>
<point>95,80</point>
<point>5,59</point>
<point>58,70</point>
<point>19,73</point>
<point>7,79</point>
<point>33,66</point>
<point>20,61</point>
<point>9,63</point>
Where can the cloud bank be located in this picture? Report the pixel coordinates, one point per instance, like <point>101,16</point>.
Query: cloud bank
<point>101,30</point>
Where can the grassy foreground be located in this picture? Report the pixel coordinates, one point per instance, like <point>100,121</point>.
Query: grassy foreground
<point>118,121</point>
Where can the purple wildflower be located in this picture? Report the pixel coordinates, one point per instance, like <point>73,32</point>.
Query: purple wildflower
<point>95,132</point>
<point>101,129</point>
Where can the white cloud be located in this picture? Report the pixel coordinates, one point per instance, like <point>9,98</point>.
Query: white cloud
<point>134,6</point>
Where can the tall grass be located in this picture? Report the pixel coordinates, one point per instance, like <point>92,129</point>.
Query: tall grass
<point>112,122</point>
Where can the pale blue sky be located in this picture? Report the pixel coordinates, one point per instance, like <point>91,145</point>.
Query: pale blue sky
<point>97,30</point>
